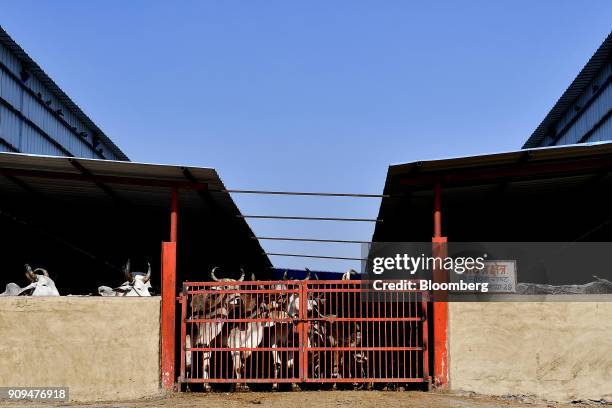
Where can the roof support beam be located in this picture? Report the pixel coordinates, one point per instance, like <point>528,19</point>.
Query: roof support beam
<point>523,171</point>
<point>100,184</point>
<point>8,144</point>
<point>135,181</point>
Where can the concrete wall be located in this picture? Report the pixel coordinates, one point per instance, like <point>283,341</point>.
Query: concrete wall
<point>558,351</point>
<point>102,348</point>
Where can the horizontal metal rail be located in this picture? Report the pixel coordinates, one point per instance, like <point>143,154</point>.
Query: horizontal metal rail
<point>307,380</point>
<point>315,256</point>
<point>302,193</point>
<point>284,217</point>
<point>345,348</point>
<point>339,241</point>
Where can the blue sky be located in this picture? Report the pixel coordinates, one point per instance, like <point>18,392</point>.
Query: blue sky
<point>311,96</point>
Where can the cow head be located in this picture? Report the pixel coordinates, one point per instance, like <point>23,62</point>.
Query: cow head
<point>347,275</point>
<point>41,284</point>
<point>137,284</point>
<point>12,289</point>
<point>312,304</point>
<point>229,299</point>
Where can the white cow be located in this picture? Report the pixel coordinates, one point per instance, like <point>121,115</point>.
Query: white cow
<point>137,284</point>
<point>293,303</point>
<point>41,284</point>
<point>347,275</point>
<point>249,335</point>
<point>12,289</point>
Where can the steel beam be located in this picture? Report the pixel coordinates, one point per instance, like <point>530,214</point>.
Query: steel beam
<point>520,171</point>
<point>440,306</point>
<point>135,181</point>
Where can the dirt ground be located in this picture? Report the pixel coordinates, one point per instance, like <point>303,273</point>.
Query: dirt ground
<point>317,399</point>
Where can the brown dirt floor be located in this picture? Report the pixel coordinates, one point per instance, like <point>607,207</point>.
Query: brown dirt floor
<point>317,399</point>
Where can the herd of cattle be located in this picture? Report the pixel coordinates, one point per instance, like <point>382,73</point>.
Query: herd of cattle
<point>137,284</point>
<point>254,331</point>
<point>243,317</point>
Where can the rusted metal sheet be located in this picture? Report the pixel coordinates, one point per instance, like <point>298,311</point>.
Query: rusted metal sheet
<point>301,332</point>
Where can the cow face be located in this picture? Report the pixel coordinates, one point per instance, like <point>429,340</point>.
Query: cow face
<point>41,284</point>
<point>229,299</point>
<point>137,284</point>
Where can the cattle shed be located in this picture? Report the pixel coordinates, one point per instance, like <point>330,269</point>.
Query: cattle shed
<point>551,194</point>
<point>546,194</point>
<point>81,219</point>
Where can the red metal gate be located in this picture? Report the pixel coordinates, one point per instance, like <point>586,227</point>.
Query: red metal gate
<point>300,332</point>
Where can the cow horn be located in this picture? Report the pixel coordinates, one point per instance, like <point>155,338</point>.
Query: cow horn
<point>253,277</point>
<point>285,275</point>
<point>30,274</point>
<point>44,271</point>
<point>307,274</point>
<point>242,275</point>
<point>212,274</point>
<point>126,271</point>
<point>347,275</point>
<point>148,275</point>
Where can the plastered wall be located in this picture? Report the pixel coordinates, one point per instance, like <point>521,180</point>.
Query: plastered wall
<point>102,348</point>
<point>559,351</point>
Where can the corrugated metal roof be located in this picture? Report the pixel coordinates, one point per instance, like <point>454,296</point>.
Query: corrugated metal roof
<point>586,75</point>
<point>141,185</point>
<point>536,191</point>
<point>32,67</point>
<point>490,162</point>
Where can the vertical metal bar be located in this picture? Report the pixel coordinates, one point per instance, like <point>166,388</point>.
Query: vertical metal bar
<point>425,341</point>
<point>169,298</point>
<point>167,315</point>
<point>302,330</point>
<point>174,216</point>
<point>440,307</point>
<point>183,302</point>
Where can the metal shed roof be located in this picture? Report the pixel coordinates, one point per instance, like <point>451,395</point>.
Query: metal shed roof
<point>492,184</point>
<point>83,197</point>
<point>528,163</point>
<point>586,75</point>
<point>32,67</point>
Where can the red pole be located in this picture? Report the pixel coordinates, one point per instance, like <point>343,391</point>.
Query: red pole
<point>174,215</point>
<point>169,298</point>
<point>440,308</point>
<point>437,211</point>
